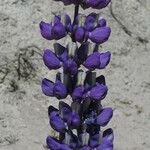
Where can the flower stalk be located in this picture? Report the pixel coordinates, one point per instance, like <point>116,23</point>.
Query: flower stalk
<point>80,125</point>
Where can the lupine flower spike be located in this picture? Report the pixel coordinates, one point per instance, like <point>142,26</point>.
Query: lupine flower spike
<point>80,126</point>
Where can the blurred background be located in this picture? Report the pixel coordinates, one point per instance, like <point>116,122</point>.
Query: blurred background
<point>23,108</point>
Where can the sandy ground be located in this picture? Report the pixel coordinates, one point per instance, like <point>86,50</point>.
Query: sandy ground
<point>23,107</point>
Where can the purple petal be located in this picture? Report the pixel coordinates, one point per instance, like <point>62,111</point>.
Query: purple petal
<point>79,34</point>
<point>52,143</point>
<point>57,123</point>
<point>108,135</point>
<point>100,35</point>
<point>93,3</point>
<point>86,148</point>
<point>74,120</point>
<point>78,93</point>
<point>102,22</point>
<point>92,62</point>
<point>65,110</point>
<point>104,59</point>
<point>105,145</point>
<point>58,31</point>
<point>70,67</point>
<point>104,117</point>
<point>51,60</point>
<point>60,90</point>
<point>46,30</point>
<point>94,140</point>
<point>103,4</point>
<point>47,87</point>
<point>91,21</point>
<point>51,110</point>
<point>98,92</point>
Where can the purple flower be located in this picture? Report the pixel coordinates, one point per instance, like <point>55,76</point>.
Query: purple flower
<point>65,110</point>
<point>57,123</point>
<point>46,30</point>
<point>60,90</point>
<point>78,93</point>
<point>51,89</point>
<point>51,60</point>
<point>94,140</point>
<point>54,144</point>
<point>100,35</point>
<point>74,120</point>
<point>102,22</point>
<point>70,67</point>
<point>97,60</point>
<point>97,4</point>
<point>104,117</point>
<point>55,120</point>
<point>86,148</point>
<point>108,135</point>
<point>56,29</point>
<point>79,34</point>
<point>91,21</point>
<point>93,61</point>
<point>98,92</point>
<point>104,59</point>
<point>59,31</point>
<point>47,87</point>
<point>105,145</point>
